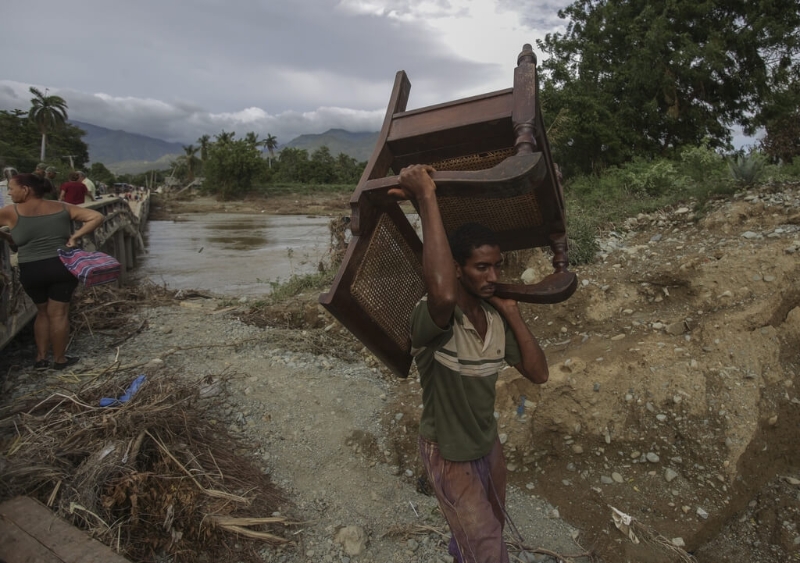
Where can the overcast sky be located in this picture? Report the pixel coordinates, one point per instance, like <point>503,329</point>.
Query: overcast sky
<point>177,69</point>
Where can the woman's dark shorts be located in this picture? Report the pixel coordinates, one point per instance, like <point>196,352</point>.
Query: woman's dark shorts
<point>47,279</point>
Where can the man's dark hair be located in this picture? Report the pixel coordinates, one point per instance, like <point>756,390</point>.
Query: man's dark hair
<point>467,238</point>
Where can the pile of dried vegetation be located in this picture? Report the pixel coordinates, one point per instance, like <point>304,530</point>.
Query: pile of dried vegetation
<point>151,474</point>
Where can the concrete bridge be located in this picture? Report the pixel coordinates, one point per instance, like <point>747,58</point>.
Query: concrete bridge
<point>120,235</point>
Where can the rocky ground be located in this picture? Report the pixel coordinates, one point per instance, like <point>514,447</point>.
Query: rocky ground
<point>673,399</point>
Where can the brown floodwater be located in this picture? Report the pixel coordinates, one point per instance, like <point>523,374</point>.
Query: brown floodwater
<point>231,254</point>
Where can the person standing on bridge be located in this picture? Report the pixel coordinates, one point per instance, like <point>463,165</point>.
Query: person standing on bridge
<point>8,172</point>
<point>47,173</point>
<point>39,227</point>
<point>91,194</point>
<point>74,191</point>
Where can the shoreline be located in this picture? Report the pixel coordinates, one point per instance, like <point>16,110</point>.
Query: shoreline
<point>325,204</point>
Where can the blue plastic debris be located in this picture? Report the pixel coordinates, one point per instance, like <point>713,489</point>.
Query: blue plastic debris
<point>521,407</point>
<point>127,396</point>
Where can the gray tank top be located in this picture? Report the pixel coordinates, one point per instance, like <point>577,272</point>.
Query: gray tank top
<point>40,237</point>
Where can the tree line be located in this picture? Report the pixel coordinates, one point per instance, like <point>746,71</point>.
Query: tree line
<point>26,136</point>
<point>628,81</point>
<point>648,78</point>
<point>231,167</point>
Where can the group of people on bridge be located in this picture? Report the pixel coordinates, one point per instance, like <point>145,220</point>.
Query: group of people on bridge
<point>76,190</point>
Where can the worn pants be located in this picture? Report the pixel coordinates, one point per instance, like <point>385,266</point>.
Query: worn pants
<point>472,496</point>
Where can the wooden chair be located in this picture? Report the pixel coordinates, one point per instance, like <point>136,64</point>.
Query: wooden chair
<point>493,166</point>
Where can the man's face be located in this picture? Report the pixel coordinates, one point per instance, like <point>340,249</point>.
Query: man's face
<point>50,175</point>
<point>480,272</point>
<point>39,172</point>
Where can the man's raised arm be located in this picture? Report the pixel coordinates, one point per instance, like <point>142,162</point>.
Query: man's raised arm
<point>438,269</point>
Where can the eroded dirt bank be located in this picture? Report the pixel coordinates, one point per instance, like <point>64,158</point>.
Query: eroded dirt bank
<point>673,393</point>
<point>673,398</point>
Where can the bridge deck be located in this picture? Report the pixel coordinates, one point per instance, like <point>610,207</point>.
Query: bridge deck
<point>29,532</point>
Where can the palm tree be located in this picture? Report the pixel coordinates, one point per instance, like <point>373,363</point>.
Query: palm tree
<point>204,141</point>
<point>271,142</point>
<point>191,160</point>
<point>252,138</point>
<point>48,113</point>
<point>225,137</point>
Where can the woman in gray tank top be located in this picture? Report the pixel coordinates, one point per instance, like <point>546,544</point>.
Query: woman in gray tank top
<point>39,227</point>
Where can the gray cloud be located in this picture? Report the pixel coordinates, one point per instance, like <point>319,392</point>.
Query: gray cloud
<point>179,69</point>
<point>541,15</point>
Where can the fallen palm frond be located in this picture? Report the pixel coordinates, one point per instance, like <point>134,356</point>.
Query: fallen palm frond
<point>153,475</point>
<point>110,308</point>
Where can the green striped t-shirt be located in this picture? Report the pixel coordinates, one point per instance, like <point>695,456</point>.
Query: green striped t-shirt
<point>458,372</point>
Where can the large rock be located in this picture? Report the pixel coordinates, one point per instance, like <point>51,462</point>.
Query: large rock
<point>353,540</point>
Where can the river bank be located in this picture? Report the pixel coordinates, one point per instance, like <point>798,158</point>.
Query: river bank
<point>305,406</point>
<point>330,204</point>
<point>673,398</point>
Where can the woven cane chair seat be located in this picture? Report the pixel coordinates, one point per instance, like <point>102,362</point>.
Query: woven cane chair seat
<point>493,166</point>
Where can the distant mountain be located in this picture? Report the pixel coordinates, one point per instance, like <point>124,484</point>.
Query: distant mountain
<point>113,147</point>
<point>357,145</point>
<point>122,152</point>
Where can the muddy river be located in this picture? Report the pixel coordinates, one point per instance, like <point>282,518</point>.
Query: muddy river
<point>232,254</point>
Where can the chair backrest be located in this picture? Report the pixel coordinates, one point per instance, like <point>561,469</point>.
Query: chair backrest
<point>493,166</point>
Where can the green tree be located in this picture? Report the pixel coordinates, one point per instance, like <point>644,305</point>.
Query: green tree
<point>293,165</point>
<point>48,113</point>
<point>271,142</point>
<point>149,178</point>
<point>224,137</point>
<point>204,142</point>
<point>67,144</point>
<point>20,143</point>
<point>231,168</point>
<point>191,160</point>
<point>252,138</point>
<point>648,77</point>
<point>347,169</point>
<point>322,166</point>
<point>99,173</point>
<point>781,121</point>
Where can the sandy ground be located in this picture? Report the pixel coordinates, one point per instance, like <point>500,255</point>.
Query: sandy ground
<point>673,399</point>
<point>673,385</point>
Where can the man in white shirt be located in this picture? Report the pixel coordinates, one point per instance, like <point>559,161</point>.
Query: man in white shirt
<point>91,190</point>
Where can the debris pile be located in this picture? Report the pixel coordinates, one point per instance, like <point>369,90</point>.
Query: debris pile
<point>151,474</point>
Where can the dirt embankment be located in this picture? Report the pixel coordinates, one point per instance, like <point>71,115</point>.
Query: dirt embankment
<point>673,392</point>
<point>673,398</point>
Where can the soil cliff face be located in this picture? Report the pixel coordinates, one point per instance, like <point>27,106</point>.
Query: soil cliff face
<point>673,385</point>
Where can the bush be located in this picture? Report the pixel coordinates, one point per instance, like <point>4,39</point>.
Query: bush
<point>702,164</point>
<point>298,283</point>
<point>651,178</point>
<point>747,169</point>
<point>582,230</point>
